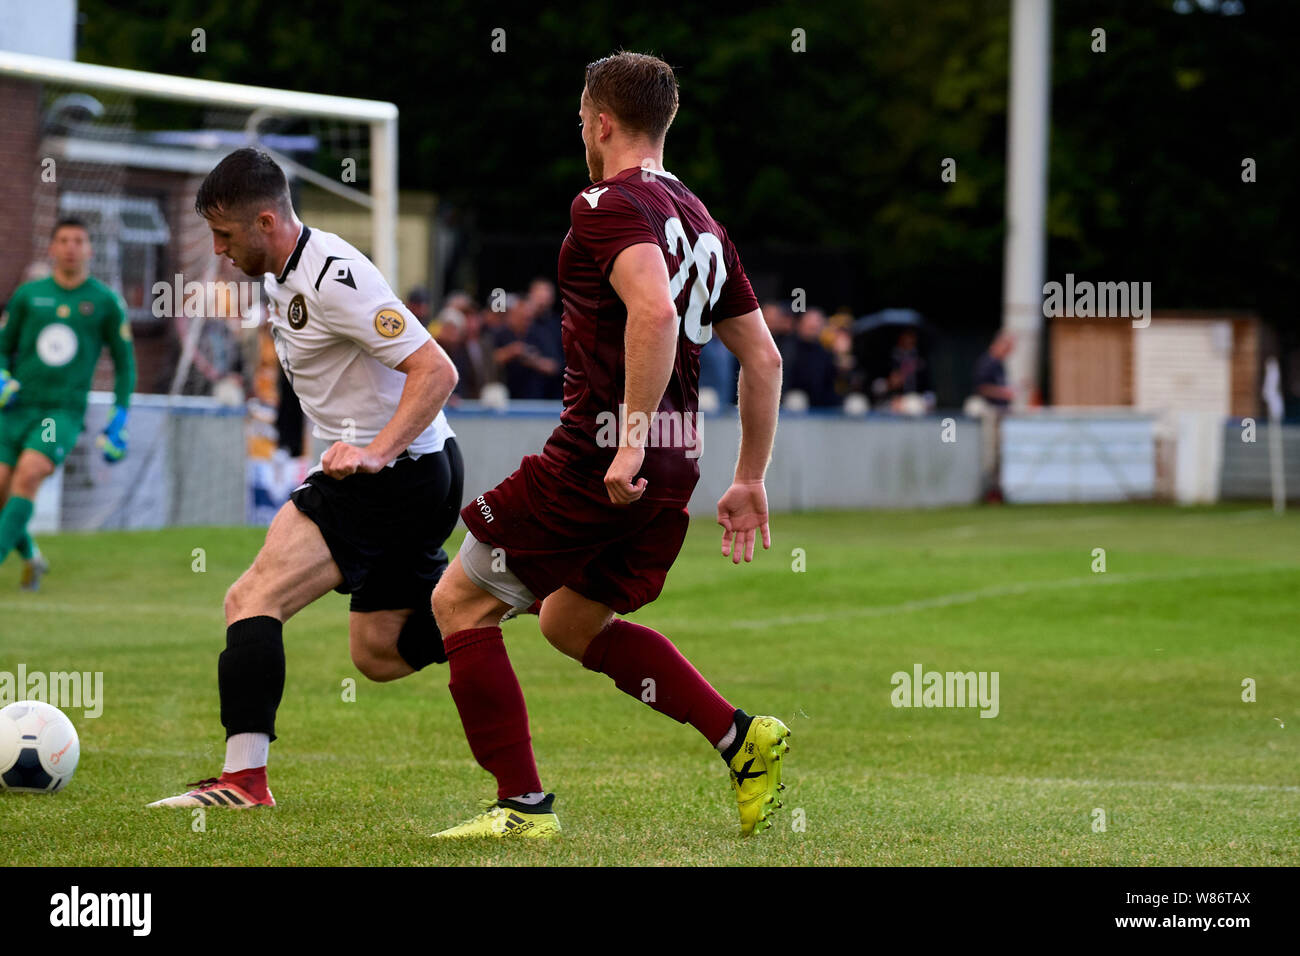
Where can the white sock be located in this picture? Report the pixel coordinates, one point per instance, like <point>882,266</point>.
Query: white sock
<point>727,738</point>
<point>246,751</point>
<point>530,798</point>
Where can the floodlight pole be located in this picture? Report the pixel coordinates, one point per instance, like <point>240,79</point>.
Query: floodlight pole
<point>1029,94</point>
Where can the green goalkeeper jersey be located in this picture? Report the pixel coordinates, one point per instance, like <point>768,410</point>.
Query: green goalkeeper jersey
<point>51,339</point>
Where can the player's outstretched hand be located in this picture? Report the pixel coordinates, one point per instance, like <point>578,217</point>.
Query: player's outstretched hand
<point>8,387</point>
<point>342,459</point>
<point>741,512</point>
<point>621,483</point>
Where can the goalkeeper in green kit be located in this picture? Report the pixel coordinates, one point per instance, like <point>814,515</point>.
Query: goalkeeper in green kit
<point>51,337</point>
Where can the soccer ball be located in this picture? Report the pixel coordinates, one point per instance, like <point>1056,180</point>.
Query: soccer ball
<point>39,748</point>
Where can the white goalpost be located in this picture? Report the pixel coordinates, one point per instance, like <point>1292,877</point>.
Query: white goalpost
<point>124,151</point>
<point>261,102</point>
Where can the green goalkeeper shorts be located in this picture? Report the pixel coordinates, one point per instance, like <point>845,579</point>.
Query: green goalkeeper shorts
<point>50,431</point>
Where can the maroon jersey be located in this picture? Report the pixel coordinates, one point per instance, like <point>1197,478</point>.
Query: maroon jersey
<point>708,285</point>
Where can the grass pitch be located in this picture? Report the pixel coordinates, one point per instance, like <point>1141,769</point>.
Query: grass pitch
<point>1120,691</point>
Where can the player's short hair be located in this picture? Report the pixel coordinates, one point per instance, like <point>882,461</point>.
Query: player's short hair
<point>247,177</point>
<point>69,222</point>
<point>639,89</point>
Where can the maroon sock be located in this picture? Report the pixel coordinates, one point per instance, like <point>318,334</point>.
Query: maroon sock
<point>492,710</point>
<point>252,780</point>
<point>632,654</point>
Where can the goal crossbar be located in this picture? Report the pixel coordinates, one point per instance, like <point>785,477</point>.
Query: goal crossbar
<point>380,116</point>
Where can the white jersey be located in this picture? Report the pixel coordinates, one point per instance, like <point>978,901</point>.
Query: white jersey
<point>339,332</point>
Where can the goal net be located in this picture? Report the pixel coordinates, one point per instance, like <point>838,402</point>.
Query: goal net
<point>125,151</point>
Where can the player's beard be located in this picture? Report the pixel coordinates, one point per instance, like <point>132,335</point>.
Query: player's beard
<point>255,262</point>
<point>595,166</point>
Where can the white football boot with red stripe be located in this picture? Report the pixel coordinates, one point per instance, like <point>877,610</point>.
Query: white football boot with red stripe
<point>220,791</point>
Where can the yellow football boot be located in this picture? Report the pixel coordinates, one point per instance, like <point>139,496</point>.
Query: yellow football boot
<point>756,773</point>
<point>508,818</point>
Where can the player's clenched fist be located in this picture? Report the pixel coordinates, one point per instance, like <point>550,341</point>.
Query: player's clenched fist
<point>621,483</point>
<point>343,459</point>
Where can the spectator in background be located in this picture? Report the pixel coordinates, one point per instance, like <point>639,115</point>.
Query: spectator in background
<point>991,386</point>
<point>459,302</point>
<point>906,365</point>
<point>454,329</point>
<point>780,323</point>
<point>541,298</point>
<point>991,372</point>
<point>494,316</point>
<point>450,335</point>
<point>458,330</point>
<point>523,353</point>
<point>718,370</point>
<point>477,356</point>
<point>849,376</point>
<point>491,321</point>
<point>812,367</point>
<point>417,300</point>
<point>907,389</point>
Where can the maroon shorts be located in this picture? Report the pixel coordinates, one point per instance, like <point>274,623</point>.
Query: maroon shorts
<point>558,531</point>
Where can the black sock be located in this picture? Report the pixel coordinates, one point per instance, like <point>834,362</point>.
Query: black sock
<point>545,805</point>
<point>420,642</point>
<point>250,676</point>
<point>742,721</point>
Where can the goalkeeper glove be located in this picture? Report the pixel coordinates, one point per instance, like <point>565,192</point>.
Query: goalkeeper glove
<point>8,388</point>
<point>113,441</point>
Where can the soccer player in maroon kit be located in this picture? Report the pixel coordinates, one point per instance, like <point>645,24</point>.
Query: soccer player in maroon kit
<point>592,524</point>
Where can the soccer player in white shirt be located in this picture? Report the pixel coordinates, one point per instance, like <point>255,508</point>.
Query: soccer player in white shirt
<point>371,520</point>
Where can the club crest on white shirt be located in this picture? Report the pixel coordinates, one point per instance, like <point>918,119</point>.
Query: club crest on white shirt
<point>389,323</point>
<point>297,312</point>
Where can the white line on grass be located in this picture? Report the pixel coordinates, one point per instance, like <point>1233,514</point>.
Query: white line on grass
<point>1094,784</point>
<point>878,610</point>
<point>984,594</point>
<point>112,610</point>
<point>1029,524</point>
<point>1091,521</point>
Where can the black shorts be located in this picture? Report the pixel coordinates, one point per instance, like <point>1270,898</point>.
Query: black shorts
<point>385,531</point>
